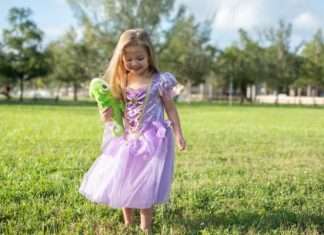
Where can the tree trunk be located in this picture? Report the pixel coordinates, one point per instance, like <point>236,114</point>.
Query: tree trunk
<point>241,98</point>
<point>6,91</point>
<point>314,96</point>
<point>57,95</point>
<point>187,91</point>
<point>243,89</point>
<point>75,91</point>
<point>277,98</point>
<point>21,81</point>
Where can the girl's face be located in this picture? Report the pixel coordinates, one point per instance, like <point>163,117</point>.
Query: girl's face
<point>136,60</point>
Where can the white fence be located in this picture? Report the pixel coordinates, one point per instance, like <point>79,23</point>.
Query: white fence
<point>203,92</point>
<point>284,99</point>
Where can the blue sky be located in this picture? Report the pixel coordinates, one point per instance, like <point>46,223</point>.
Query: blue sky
<point>54,16</point>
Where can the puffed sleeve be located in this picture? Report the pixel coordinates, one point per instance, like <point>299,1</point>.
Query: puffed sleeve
<point>167,84</point>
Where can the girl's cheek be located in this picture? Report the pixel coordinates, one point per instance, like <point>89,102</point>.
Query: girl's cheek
<point>127,66</point>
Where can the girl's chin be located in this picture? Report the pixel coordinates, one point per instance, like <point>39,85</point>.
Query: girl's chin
<point>137,72</point>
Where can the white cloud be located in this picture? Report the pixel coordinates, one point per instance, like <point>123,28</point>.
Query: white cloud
<point>233,14</point>
<point>61,3</point>
<point>230,15</point>
<point>306,21</point>
<point>202,9</point>
<point>55,32</point>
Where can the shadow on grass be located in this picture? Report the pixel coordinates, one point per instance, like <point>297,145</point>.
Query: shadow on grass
<point>244,221</point>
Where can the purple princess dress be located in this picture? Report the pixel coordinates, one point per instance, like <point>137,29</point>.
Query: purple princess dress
<point>136,170</point>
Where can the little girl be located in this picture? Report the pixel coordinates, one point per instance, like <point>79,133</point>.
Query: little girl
<point>135,170</point>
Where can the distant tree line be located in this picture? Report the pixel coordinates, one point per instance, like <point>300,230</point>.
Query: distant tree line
<point>182,45</point>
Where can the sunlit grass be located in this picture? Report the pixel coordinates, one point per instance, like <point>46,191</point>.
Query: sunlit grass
<point>247,170</point>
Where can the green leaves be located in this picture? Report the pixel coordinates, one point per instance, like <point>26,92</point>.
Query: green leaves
<point>24,58</point>
<point>313,66</point>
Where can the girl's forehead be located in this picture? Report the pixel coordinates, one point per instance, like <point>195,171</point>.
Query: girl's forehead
<point>134,50</point>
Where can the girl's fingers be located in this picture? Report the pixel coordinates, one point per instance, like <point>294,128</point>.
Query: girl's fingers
<point>106,114</point>
<point>107,110</point>
<point>182,145</point>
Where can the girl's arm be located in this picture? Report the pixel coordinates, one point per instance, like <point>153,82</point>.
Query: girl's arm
<point>173,116</point>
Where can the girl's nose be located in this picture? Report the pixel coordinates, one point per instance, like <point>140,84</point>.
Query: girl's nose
<point>134,64</point>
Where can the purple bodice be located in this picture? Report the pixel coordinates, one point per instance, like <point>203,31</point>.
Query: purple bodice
<point>134,106</point>
<point>154,110</point>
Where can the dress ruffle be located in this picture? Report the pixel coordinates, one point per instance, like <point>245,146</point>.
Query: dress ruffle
<point>166,85</point>
<point>148,143</point>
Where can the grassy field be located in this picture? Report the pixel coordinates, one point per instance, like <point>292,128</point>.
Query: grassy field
<point>247,170</point>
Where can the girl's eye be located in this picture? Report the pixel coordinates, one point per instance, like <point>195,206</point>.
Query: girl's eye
<point>140,58</point>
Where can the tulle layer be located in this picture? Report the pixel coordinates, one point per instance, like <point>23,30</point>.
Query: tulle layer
<point>133,171</point>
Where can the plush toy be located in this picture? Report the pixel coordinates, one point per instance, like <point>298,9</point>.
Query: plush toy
<point>99,90</point>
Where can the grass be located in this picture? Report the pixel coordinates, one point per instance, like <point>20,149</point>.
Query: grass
<point>247,170</point>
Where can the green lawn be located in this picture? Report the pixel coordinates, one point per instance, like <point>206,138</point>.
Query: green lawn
<point>247,170</point>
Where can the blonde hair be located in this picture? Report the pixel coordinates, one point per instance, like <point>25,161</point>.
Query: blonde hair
<point>115,74</point>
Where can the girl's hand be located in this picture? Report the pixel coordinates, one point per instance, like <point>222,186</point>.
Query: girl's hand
<point>181,143</point>
<point>106,115</point>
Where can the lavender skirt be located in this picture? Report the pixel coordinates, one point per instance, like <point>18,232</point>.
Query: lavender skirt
<point>132,172</point>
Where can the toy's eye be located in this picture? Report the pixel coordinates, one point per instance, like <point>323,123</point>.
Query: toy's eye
<point>104,86</point>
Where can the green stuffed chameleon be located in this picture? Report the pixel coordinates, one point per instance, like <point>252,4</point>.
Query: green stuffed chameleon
<point>99,90</point>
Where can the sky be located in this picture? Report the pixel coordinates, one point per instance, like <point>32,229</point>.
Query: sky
<point>54,17</point>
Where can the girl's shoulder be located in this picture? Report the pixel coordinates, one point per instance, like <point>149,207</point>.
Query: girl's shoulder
<point>166,80</point>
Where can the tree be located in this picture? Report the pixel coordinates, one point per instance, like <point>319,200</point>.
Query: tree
<point>283,64</point>
<point>180,42</point>
<point>313,66</point>
<point>113,17</point>
<point>242,64</point>
<point>187,51</point>
<point>22,46</point>
<point>6,80</point>
<point>70,61</point>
